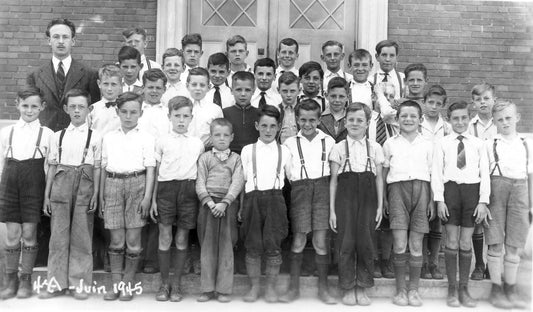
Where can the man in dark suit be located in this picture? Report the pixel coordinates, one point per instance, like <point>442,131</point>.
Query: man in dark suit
<point>54,79</point>
<point>61,74</point>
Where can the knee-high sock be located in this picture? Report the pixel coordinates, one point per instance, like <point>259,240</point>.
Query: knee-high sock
<point>181,257</point>
<point>510,268</point>
<point>465,262</point>
<point>495,267</point>
<point>399,260</point>
<point>164,264</point>
<point>450,258</point>
<point>477,242</point>
<point>415,266</point>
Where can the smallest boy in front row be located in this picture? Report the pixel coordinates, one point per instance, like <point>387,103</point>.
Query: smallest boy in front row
<point>511,169</point>
<point>407,169</point>
<point>219,183</point>
<point>174,198</point>
<point>126,183</point>
<point>264,213</point>
<point>71,197</point>
<point>356,203</point>
<point>461,188</point>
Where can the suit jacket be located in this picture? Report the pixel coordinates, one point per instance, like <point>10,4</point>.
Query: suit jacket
<point>79,76</point>
<point>327,125</point>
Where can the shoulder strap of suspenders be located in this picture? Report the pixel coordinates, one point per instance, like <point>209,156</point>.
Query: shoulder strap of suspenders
<point>87,143</point>
<point>527,153</point>
<point>60,148</point>
<point>323,154</point>
<point>10,146</point>
<point>400,82</point>
<point>302,161</point>
<point>39,136</point>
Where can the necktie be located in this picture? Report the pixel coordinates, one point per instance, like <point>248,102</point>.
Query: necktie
<point>461,156</point>
<point>262,100</point>
<point>60,78</point>
<point>385,79</point>
<point>110,104</point>
<point>381,131</point>
<point>216,97</point>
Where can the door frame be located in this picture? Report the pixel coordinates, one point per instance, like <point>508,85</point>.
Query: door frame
<point>173,23</point>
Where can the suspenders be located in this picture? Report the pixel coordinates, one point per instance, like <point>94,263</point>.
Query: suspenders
<point>302,161</point>
<point>37,144</point>
<point>254,163</point>
<point>399,81</point>
<point>368,165</point>
<point>322,100</point>
<point>86,149</point>
<point>497,157</point>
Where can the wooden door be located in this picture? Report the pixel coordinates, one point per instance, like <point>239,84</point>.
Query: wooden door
<point>311,23</point>
<point>218,20</point>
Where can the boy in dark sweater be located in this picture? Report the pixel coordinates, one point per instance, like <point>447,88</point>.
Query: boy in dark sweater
<point>242,115</point>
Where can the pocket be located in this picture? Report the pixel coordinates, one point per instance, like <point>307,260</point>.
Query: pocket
<point>61,186</point>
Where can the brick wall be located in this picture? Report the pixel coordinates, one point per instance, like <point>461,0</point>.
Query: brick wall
<point>465,42</point>
<point>99,23</point>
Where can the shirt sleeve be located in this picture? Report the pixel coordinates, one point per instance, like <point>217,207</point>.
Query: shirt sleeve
<point>149,151</point>
<point>97,150</point>
<point>437,174</point>
<point>379,158</point>
<point>3,146</point>
<point>53,155</point>
<point>245,157</point>
<point>158,154</point>
<point>387,153</point>
<point>336,154</point>
<point>237,182</point>
<point>103,163</point>
<point>529,154</point>
<point>201,179</point>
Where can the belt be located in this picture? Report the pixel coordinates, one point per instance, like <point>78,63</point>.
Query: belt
<point>125,175</point>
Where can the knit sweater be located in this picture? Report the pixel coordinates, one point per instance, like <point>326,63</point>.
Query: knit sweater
<point>221,179</point>
<point>243,121</point>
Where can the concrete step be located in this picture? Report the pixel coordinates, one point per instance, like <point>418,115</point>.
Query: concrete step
<point>384,288</point>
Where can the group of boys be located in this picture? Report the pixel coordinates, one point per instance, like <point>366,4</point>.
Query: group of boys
<point>207,148</point>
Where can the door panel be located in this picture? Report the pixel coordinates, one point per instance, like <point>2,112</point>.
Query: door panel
<point>313,22</point>
<point>218,20</point>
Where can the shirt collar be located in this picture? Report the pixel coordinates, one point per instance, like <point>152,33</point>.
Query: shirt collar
<point>148,106</point>
<point>270,145</point>
<point>66,63</point>
<point>464,135</point>
<point>281,69</point>
<point>82,128</point>
<point>339,73</point>
<point>355,83</point>
<point>174,134</point>
<point>478,120</point>
<point>137,83</point>
<point>176,85</point>
<point>136,129</point>
<point>32,125</point>
<point>351,141</point>
<point>380,72</point>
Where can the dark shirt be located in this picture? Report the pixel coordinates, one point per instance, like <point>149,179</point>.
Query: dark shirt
<point>243,121</point>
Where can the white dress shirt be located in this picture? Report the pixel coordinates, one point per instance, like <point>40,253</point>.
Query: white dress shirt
<point>229,79</point>
<point>280,71</point>
<point>203,113</point>
<point>154,119</point>
<point>131,88</point>
<point>144,68</point>
<point>379,75</point>
<point>358,155</point>
<point>24,140</point>
<point>362,92</point>
<point>478,128</point>
<point>272,97</point>
<point>128,152</point>
<point>177,155</point>
<point>225,95</point>
<point>442,128</point>
<point>267,162</point>
<point>312,155</point>
<point>103,119</point>
<point>73,147</point>
<point>512,157</point>
<point>406,160</point>
<point>66,64</point>
<point>445,165</point>
<point>173,90</point>
<point>328,75</point>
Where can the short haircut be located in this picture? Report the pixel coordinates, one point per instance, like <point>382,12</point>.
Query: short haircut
<point>482,87</point>
<point>134,31</point>
<point>28,91</point>
<point>75,93</point>
<point>129,53</point>
<point>153,75</point>
<point>243,76</point>
<point>61,21</point>
<point>359,54</point>
<point>218,59</point>
<point>128,97</point>
<point>330,43</point>
<point>234,40</point>
<point>415,67</point>
<point>110,70</point>
<point>310,66</point>
<point>308,105</point>
<point>456,106</point>
<point>191,39</point>
<point>288,42</point>
<point>436,90</point>
<point>178,102</point>
<point>502,104</point>
<point>198,71</point>
<point>338,82</point>
<point>173,52</point>
<point>270,111</point>
<point>288,78</point>
<point>385,44</point>
<point>409,103</point>
<point>357,106</point>
<point>265,62</point>
<point>221,122</point>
